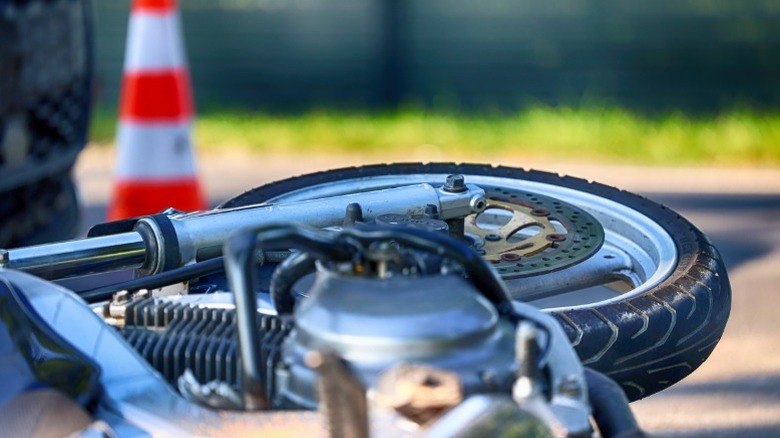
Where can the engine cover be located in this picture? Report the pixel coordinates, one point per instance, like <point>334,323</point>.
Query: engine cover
<point>375,323</point>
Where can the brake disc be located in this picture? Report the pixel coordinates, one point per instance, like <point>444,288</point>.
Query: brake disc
<point>524,233</point>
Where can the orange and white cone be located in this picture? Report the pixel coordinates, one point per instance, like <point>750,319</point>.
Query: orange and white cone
<point>155,166</point>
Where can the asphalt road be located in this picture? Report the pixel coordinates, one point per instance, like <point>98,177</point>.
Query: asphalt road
<point>736,393</point>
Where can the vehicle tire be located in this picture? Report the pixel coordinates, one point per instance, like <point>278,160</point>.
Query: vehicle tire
<point>647,338</point>
<point>45,84</point>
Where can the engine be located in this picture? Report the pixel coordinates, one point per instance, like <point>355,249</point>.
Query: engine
<point>397,311</point>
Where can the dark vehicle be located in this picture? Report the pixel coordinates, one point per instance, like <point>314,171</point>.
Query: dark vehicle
<point>45,80</point>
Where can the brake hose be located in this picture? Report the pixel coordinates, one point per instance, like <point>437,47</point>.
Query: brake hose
<point>173,276</point>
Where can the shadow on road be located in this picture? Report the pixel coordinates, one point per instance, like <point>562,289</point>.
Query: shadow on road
<point>716,202</point>
<point>763,388</point>
<point>749,431</point>
<point>738,225</point>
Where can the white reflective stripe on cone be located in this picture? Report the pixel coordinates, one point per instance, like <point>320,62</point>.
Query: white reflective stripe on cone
<point>154,42</point>
<point>159,150</point>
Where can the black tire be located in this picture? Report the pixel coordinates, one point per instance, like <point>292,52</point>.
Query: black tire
<point>646,342</point>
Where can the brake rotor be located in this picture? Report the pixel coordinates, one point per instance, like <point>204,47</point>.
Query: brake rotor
<point>523,233</point>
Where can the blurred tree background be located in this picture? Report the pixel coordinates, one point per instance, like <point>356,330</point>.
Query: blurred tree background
<point>698,61</point>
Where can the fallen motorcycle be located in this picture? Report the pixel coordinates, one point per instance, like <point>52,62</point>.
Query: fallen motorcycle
<point>423,300</point>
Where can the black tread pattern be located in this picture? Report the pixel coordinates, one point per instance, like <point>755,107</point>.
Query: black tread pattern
<point>647,342</point>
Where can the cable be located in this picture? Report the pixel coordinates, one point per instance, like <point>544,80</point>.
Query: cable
<point>155,281</point>
<point>610,407</point>
<point>285,276</point>
<point>178,275</point>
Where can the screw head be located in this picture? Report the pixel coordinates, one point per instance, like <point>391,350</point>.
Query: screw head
<point>455,183</point>
<point>431,212</point>
<point>492,237</point>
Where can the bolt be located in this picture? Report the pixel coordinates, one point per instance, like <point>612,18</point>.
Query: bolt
<point>122,296</point>
<point>342,397</point>
<point>384,252</point>
<point>540,212</point>
<point>455,184</point>
<point>555,237</point>
<point>492,237</point>
<point>510,257</point>
<point>431,212</point>
<point>526,358</point>
<point>353,214</point>
<point>526,350</point>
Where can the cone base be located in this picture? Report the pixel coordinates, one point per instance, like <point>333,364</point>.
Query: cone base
<point>139,198</point>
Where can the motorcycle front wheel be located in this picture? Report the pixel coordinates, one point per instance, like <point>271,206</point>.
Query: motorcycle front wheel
<point>642,294</point>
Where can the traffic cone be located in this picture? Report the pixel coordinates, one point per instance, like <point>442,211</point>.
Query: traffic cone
<point>155,166</point>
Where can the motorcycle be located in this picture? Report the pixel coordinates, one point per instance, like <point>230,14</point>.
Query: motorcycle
<point>391,300</point>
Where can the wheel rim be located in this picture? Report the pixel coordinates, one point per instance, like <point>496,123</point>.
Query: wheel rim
<point>637,254</point>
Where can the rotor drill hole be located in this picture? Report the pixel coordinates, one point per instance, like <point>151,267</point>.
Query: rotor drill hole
<point>493,218</point>
<point>525,233</point>
<point>559,227</point>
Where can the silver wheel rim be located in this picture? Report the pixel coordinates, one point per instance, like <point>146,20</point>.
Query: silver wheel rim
<point>636,249</point>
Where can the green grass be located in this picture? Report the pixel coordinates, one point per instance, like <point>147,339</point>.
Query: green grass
<point>735,138</point>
